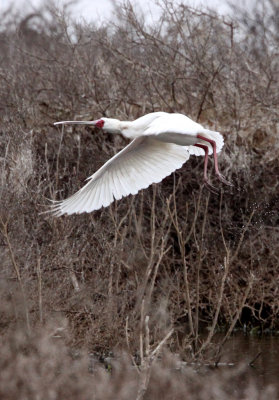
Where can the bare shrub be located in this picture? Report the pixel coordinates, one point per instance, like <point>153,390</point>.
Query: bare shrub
<point>40,366</point>
<point>174,255</point>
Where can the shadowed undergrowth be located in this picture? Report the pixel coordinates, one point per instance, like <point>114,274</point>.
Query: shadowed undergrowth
<point>40,366</point>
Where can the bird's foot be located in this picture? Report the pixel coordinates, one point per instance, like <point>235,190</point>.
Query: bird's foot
<point>210,187</point>
<point>224,180</point>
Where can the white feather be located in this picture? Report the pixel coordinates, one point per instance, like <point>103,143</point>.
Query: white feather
<point>162,143</point>
<point>135,167</point>
<point>181,130</point>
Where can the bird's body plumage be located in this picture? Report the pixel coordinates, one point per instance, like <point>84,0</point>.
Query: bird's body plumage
<point>162,143</point>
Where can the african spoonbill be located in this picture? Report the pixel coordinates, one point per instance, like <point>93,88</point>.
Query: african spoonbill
<point>161,143</point>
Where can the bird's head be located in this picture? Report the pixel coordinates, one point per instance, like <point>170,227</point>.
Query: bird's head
<point>110,125</point>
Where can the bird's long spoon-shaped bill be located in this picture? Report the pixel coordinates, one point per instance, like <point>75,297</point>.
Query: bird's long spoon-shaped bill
<point>76,123</point>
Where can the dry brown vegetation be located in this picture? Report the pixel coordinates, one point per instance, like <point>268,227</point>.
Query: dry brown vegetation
<point>38,367</point>
<point>159,267</point>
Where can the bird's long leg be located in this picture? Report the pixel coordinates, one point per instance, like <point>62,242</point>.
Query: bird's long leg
<point>219,175</point>
<point>205,177</point>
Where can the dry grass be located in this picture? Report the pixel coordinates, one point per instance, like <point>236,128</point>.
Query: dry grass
<point>40,366</point>
<point>174,259</point>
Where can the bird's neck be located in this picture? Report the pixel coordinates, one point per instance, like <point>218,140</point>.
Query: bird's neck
<point>124,127</point>
<point>112,125</point>
<point>128,130</point>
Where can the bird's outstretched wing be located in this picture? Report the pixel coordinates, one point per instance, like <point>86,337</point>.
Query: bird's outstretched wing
<point>143,162</point>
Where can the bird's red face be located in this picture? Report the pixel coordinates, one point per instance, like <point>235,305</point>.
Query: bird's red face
<point>100,123</point>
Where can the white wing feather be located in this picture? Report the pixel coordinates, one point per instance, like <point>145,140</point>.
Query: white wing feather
<point>143,162</point>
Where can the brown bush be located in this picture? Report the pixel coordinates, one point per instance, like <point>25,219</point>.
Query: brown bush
<point>175,253</point>
<point>40,366</point>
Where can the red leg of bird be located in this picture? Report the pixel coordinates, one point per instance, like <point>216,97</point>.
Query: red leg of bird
<point>205,177</point>
<point>219,175</point>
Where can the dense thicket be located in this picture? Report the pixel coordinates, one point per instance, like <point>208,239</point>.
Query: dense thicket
<point>176,253</point>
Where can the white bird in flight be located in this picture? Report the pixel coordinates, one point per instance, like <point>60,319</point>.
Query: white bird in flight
<point>161,143</point>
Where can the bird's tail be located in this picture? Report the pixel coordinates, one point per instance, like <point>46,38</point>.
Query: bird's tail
<point>216,136</point>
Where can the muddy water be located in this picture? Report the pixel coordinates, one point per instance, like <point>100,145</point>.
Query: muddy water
<point>244,348</point>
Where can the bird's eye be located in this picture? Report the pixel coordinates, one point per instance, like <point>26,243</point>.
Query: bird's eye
<point>100,123</point>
